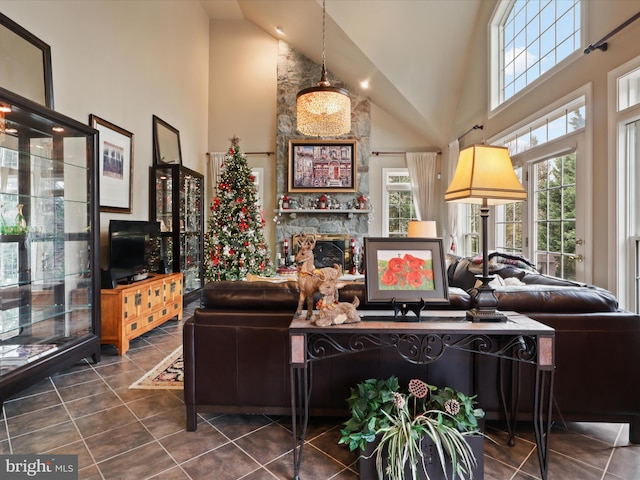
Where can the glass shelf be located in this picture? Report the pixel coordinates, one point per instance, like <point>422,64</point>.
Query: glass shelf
<point>177,202</point>
<point>48,264</point>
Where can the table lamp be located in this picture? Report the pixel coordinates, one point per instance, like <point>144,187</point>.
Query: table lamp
<point>422,229</point>
<point>485,176</point>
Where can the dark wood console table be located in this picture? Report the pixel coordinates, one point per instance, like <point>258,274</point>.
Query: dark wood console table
<point>519,339</point>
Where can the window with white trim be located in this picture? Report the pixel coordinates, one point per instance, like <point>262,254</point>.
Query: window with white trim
<point>549,228</point>
<point>398,207</point>
<point>508,220</point>
<point>528,39</point>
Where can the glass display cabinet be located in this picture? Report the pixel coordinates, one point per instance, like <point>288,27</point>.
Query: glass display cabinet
<point>49,250</point>
<point>178,204</point>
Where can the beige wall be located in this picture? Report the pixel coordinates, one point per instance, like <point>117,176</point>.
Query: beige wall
<point>125,61</point>
<point>242,100</point>
<point>602,17</point>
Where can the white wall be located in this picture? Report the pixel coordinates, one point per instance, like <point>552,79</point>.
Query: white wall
<point>125,61</point>
<point>602,17</point>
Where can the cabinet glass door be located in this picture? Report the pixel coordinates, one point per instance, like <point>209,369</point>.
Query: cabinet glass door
<point>178,206</point>
<point>45,238</point>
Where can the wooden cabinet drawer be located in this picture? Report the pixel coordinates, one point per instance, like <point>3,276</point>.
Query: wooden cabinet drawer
<point>128,311</point>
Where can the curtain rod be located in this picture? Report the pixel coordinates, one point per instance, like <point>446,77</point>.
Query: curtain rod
<point>377,154</point>
<point>602,43</point>
<point>475,127</point>
<point>268,154</point>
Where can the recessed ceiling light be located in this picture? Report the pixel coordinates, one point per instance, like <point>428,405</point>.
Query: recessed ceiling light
<point>364,84</point>
<point>279,30</point>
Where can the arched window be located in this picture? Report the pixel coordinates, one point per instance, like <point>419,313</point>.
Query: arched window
<point>528,39</point>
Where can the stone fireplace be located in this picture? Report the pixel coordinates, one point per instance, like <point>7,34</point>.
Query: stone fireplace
<point>336,226</point>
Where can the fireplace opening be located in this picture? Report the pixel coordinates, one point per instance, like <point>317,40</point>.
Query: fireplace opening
<point>330,249</point>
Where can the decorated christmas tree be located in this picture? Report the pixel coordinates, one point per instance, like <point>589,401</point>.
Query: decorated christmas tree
<point>234,242</point>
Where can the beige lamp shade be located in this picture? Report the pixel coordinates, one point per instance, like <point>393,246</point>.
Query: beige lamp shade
<point>485,175</point>
<point>422,229</point>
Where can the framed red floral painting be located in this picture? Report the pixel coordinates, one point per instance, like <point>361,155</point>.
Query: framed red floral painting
<point>405,270</point>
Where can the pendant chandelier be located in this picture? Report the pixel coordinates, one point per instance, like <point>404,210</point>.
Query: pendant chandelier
<point>323,111</point>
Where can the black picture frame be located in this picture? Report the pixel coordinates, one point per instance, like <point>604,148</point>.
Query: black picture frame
<point>166,143</point>
<point>115,166</point>
<point>25,66</point>
<point>418,274</point>
<point>322,166</point>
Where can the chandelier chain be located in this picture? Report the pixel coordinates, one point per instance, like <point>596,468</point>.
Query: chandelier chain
<point>323,35</point>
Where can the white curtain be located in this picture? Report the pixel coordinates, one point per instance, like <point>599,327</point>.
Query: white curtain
<point>452,208</point>
<point>214,165</point>
<point>422,175</point>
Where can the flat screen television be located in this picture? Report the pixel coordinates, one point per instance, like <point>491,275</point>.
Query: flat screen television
<point>134,248</point>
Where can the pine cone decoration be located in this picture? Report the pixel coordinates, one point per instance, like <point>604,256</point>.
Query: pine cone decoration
<point>418,388</point>
<point>398,399</point>
<point>452,407</point>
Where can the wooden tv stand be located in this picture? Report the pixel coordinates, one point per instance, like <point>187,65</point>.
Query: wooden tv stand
<point>130,310</point>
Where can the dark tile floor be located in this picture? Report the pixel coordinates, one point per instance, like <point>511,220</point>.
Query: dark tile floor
<point>121,434</point>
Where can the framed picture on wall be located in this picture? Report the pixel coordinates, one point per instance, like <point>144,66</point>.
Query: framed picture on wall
<point>25,63</point>
<point>326,166</point>
<point>115,160</point>
<point>166,143</point>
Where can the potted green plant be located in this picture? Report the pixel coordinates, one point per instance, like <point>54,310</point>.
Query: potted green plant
<point>403,430</point>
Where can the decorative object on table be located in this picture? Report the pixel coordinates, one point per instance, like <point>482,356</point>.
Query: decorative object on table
<point>234,242</point>
<point>354,257</point>
<point>485,176</point>
<point>115,159</point>
<point>392,425</point>
<point>309,277</point>
<point>330,310</point>
<point>422,229</point>
<point>322,165</point>
<point>323,110</point>
<point>405,273</point>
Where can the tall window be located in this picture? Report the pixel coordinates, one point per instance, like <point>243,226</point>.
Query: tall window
<point>508,223</point>
<point>554,196</point>
<point>398,205</point>
<point>624,264</point>
<point>469,219</point>
<point>552,161</point>
<point>530,37</point>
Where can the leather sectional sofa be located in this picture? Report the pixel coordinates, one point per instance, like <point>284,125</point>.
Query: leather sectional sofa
<point>236,350</point>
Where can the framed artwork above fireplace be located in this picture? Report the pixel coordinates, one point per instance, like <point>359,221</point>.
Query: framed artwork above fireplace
<point>322,166</point>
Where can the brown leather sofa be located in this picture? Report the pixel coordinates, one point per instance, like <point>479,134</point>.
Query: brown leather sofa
<point>237,357</point>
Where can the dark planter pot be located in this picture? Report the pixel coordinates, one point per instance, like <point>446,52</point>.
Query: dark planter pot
<point>367,466</point>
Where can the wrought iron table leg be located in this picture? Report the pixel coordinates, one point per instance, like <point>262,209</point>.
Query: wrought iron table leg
<point>542,417</point>
<point>512,404</point>
<point>300,392</point>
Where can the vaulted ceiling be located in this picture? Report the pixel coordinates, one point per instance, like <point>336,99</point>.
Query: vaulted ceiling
<point>412,52</point>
